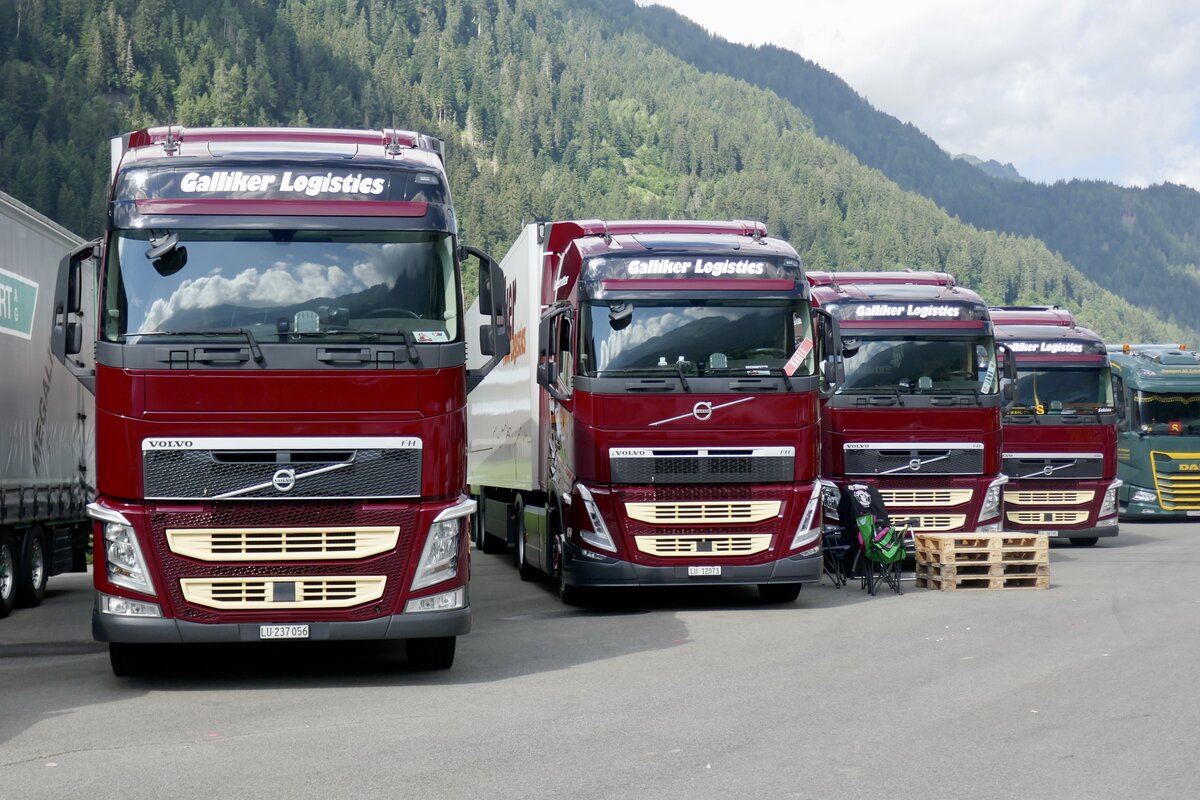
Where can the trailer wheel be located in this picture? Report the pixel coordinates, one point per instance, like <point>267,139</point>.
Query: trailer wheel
<point>35,570</point>
<point>1084,541</point>
<point>430,654</point>
<point>127,660</point>
<point>8,575</point>
<point>779,592</point>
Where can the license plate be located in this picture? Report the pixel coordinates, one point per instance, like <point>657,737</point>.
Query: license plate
<point>1193,513</point>
<point>699,571</point>
<point>283,632</point>
<point>1048,533</point>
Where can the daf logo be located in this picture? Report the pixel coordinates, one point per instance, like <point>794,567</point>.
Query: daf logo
<point>283,480</point>
<point>914,464</point>
<point>702,410</point>
<point>1189,467</point>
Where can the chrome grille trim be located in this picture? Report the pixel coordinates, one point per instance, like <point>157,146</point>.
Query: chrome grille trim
<point>308,591</point>
<point>703,513</point>
<point>703,545</point>
<point>1039,497</point>
<point>925,497</point>
<point>1047,517</point>
<point>282,544</point>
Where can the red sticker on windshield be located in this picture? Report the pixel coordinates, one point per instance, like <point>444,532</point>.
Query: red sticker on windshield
<point>798,357</point>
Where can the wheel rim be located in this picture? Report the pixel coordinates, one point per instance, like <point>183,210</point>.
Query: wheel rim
<point>38,559</point>
<point>6,572</point>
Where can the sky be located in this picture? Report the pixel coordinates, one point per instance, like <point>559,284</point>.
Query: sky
<point>1059,88</point>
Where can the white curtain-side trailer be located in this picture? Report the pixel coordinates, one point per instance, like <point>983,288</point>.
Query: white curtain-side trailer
<point>507,410</point>
<point>47,459</point>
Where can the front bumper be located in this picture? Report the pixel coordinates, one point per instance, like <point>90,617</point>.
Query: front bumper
<point>594,570</point>
<point>1104,532</point>
<point>143,630</point>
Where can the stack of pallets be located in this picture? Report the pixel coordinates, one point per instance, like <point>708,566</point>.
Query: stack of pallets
<point>959,561</point>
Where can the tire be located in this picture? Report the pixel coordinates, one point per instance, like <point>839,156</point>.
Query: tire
<point>430,654</point>
<point>527,571</point>
<point>8,575</point>
<point>519,511</point>
<point>34,571</point>
<point>128,660</point>
<point>779,592</point>
<point>1084,541</point>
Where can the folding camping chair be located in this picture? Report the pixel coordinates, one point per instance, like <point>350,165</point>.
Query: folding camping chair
<point>833,552</point>
<point>880,543</point>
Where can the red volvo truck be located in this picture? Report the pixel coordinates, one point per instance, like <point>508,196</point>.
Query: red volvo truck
<point>280,391</point>
<point>1060,430</point>
<point>656,420</point>
<point>918,412</point>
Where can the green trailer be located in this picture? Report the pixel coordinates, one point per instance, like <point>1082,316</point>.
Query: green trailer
<point>1157,388</point>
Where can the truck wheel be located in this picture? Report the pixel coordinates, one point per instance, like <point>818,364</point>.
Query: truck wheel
<point>779,592</point>
<point>519,512</point>
<point>8,575</point>
<point>428,654</point>
<point>34,572</point>
<point>1084,541</point>
<point>127,660</point>
<point>569,594</point>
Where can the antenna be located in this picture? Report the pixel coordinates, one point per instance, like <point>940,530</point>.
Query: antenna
<point>171,144</point>
<point>607,235</point>
<point>394,147</point>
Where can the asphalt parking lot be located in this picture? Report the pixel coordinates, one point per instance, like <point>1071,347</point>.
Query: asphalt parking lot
<point>1083,690</point>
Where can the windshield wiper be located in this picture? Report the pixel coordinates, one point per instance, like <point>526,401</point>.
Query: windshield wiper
<point>682,378</point>
<point>255,351</point>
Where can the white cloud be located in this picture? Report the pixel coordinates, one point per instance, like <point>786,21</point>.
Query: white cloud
<point>1061,88</point>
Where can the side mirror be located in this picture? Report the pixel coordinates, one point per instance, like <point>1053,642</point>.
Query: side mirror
<point>494,339</point>
<point>833,370</point>
<point>66,332</point>
<point>1008,393</point>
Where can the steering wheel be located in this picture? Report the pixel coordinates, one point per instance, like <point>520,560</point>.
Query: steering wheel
<point>774,352</point>
<point>390,311</point>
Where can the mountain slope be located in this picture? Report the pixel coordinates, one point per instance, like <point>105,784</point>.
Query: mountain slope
<point>551,111</point>
<point>1141,243</point>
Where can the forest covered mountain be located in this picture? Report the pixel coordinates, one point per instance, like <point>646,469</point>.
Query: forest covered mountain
<point>551,109</point>
<point>1143,244</point>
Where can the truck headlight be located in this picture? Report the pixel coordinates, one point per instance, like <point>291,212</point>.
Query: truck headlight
<point>598,536</point>
<point>1109,506</point>
<point>123,560</point>
<point>439,558</point>
<point>807,534</point>
<point>830,497</point>
<point>1143,496</point>
<point>992,499</point>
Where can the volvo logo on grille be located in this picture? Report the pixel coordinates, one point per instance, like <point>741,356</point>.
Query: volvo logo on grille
<point>1048,470</point>
<point>284,479</point>
<point>914,464</point>
<point>702,410</point>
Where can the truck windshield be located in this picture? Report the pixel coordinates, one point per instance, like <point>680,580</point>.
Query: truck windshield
<point>915,364</point>
<point>1176,413</point>
<point>706,337</point>
<point>1058,390</point>
<point>282,285</point>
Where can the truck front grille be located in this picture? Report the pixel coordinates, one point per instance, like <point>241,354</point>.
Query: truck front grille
<point>281,544</point>
<point>918,458</point>
<point>1047,517</point>
<point>1065,498</point>
<point>710,513</point>
<point>1040,466</point>
<point>1177,491</point>
<point>931,523</point>
<point>925,497</point>
<point>229,594</point>
<point>702,465</point>
<point>703,545</point>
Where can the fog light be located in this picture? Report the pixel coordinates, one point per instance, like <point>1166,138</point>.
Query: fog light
<point>124,607</point>
<point>446,601</point>
<point>1107,523</point>
<point>993,527</point>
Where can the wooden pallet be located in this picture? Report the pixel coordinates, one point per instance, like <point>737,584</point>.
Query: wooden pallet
<point>988,583</point>
<point>957,562</point>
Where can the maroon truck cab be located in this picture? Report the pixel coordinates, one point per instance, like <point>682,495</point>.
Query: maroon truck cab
<point>664,428</point>
<point>280,391</point>
<point>918,412</point>
<point>1060,430</point>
